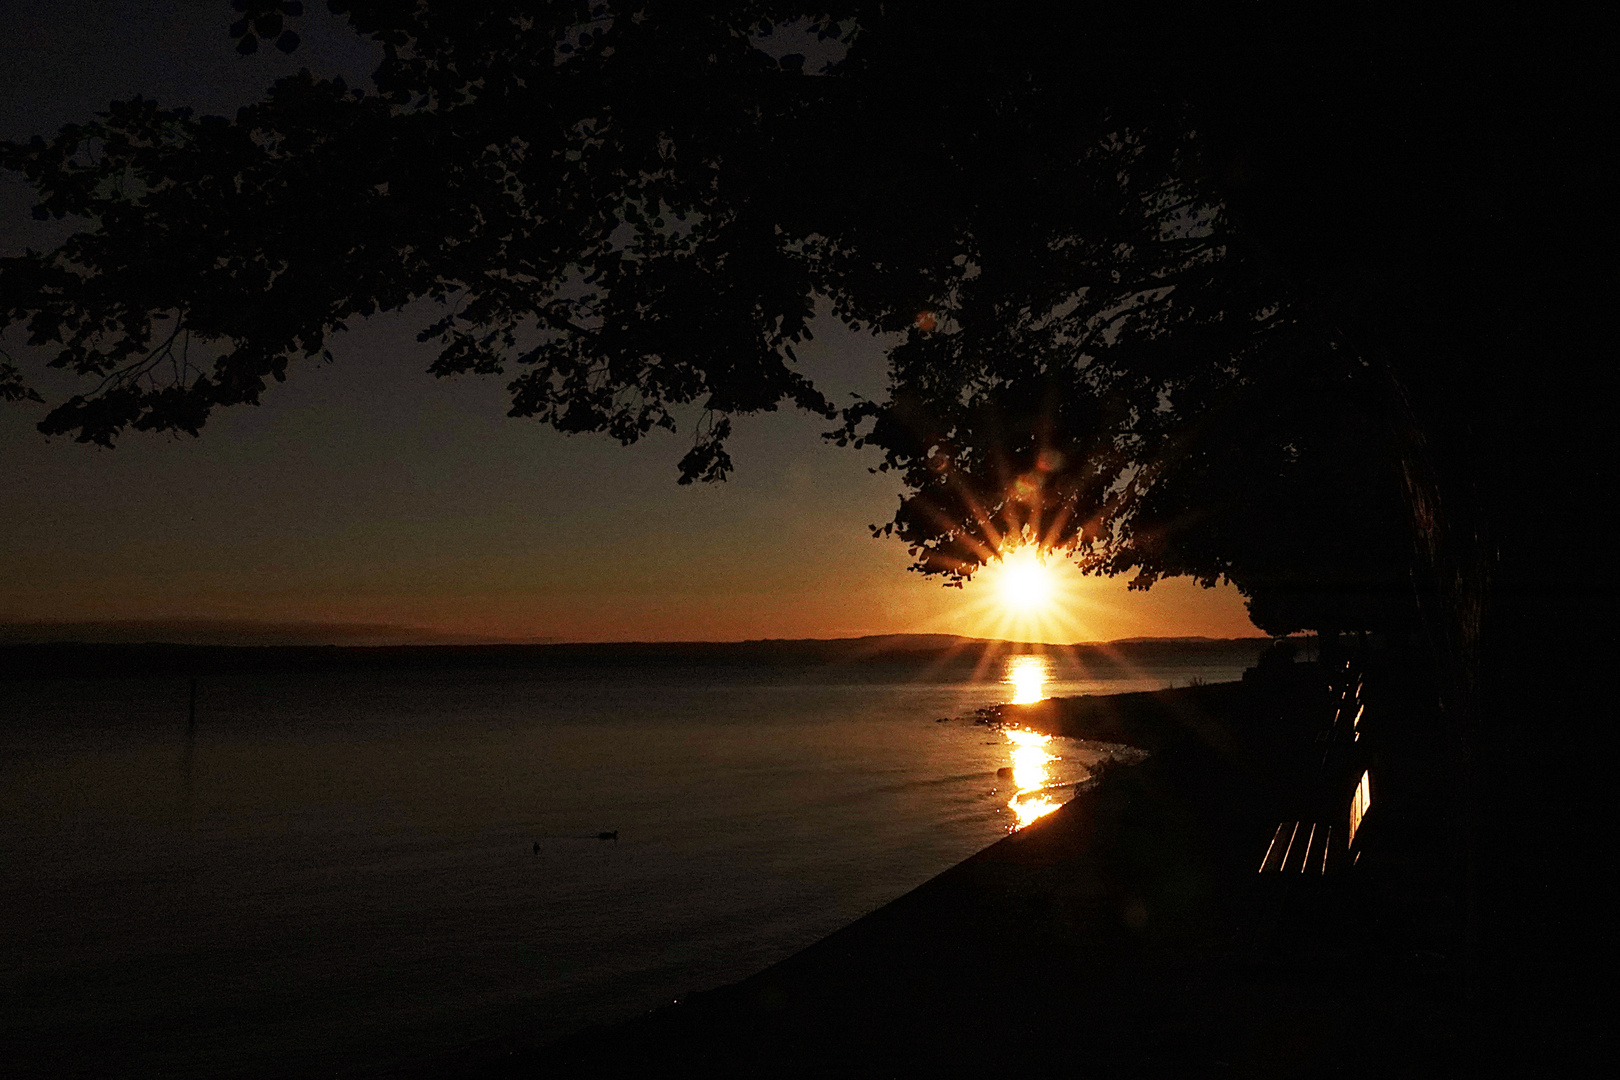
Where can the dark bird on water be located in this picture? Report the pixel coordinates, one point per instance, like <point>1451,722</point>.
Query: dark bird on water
<point>537,847</point>
<point>614,835</point>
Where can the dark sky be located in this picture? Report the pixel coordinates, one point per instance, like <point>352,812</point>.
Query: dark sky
<point>365,500</point>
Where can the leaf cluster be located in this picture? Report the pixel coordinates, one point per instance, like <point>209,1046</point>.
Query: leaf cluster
<point>586,192</point>
<point>265,20</point>
<point>631,211</point>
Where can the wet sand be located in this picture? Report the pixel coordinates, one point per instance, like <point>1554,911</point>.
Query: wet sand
<point>1127,933</point>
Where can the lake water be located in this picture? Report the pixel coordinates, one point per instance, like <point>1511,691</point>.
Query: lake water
<point>340,870</point>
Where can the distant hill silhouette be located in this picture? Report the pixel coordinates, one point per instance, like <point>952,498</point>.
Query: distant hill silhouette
<point>241,632</point>
<point>92,659</point>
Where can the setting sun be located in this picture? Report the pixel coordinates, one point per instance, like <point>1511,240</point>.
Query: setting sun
<point>1031,593</point>
<point>1024,583</point>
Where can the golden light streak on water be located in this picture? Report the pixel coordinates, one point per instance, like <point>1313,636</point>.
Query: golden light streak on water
<point>1030,757</point>
<point>1028,675</point>
<point>1031,808</point>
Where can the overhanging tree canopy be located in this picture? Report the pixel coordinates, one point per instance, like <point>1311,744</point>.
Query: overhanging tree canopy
<point>1271,291</point>
<point>1123,316</point>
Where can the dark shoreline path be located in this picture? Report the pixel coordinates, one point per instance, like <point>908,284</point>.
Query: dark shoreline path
<point>1125,934</point>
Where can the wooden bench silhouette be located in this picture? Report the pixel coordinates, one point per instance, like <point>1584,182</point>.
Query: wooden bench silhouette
<point>1323,847</point>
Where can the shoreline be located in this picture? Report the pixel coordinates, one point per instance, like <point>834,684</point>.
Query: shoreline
<point>1123,931</point>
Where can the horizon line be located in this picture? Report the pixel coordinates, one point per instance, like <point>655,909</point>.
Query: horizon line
<point>264,634</point>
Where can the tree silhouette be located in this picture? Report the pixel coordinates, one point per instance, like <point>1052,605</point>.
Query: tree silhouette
<point>632,212</point>
<point>1185,289</point>
<point>1298,297</point>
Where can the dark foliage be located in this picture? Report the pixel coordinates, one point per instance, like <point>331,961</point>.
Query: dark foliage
<point>1195,292</point>
<point>1292,295</point>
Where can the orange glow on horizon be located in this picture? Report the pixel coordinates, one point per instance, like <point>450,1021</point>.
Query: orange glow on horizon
<point>859,588</point>
<point>1026,594</point>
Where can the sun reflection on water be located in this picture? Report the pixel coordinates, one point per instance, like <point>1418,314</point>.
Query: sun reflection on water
<point>1028,675</point>
<point>1030,757</point>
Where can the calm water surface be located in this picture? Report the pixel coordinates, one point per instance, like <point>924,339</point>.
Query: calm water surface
<point>339,870</point>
